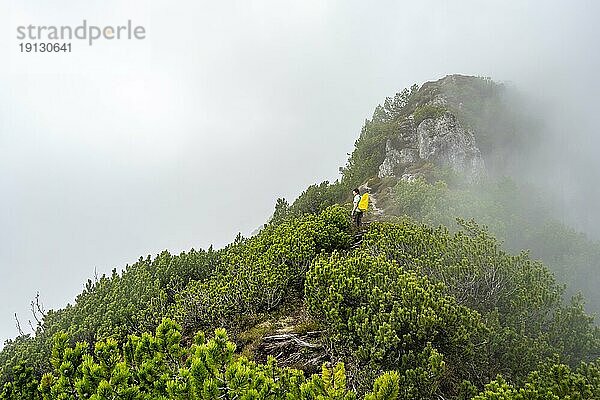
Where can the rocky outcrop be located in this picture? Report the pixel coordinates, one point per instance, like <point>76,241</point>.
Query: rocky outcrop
<point>441,141</point>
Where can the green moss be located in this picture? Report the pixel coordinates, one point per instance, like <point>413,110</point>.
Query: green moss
<point>428,111</point>
<point>250,339</point>
<point>310,325</point>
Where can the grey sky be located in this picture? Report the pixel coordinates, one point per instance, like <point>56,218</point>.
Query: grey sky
<point>183,139</point>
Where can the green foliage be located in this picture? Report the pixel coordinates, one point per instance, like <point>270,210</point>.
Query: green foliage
<point>317,198</point>
<point>427,111</point>
<point>258,274</point>
<point>23,386</point>
<point>386,387</point>
<point>369,152</point>
<point>520,217</point>
<point>331,384</point>
<point>111,306</point>
<point>282,211</point>
<point>21,361</point>
<point>499,205</point>
<point>552,381</point>
<point>137,300</point>
<point>423,201</point>
<point>159,367</point>
<point>204,289</point>
<point>414,312</point>
<point>518,297</point>
<point>385,318</point>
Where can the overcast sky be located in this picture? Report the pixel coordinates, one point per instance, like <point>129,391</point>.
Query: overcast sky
<point>187,137</point>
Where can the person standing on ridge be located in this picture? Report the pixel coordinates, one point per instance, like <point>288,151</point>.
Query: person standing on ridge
<point>356,212</point>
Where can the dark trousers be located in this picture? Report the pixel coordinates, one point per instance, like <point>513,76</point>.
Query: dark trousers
<point>357,217</point>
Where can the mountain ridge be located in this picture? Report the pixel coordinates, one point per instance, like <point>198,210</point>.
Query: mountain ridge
<point>420,303</point>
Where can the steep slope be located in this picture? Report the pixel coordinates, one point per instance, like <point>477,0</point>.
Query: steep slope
<point>411,310</point>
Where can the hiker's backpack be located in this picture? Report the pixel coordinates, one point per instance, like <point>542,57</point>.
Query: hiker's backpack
<point>363,204</point>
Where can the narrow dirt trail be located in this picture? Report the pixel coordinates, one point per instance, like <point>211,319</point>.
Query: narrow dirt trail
<point>376,211</point>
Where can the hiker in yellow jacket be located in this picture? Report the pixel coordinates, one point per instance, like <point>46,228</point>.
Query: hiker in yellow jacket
<point>360,205</point>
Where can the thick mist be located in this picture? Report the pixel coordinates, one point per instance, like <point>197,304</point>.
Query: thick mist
<point>562,156</point>
<point>541,194</point>
<point>562,167</point>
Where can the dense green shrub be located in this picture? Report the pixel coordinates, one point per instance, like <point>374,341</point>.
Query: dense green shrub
<point>260,273</point>
<point>383,317</point>
<point>518,297</point>
<point>383,313</point>
<point>317,198</point>
<point>150,367</point>
<point>520,217</point>
<point>211,288</point>
<point>111,306</point>
<point>23,386</point>
<point>427,111</point>
<point>437,313</point>
<point>552,382</point>
<point>416,312</point>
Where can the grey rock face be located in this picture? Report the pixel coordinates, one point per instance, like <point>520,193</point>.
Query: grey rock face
<point>408,155</point>
<point>408,177</point>
<point>445,142</point>
<point>442,141</point>
<point>396,157</point>
<point>392,159</point>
